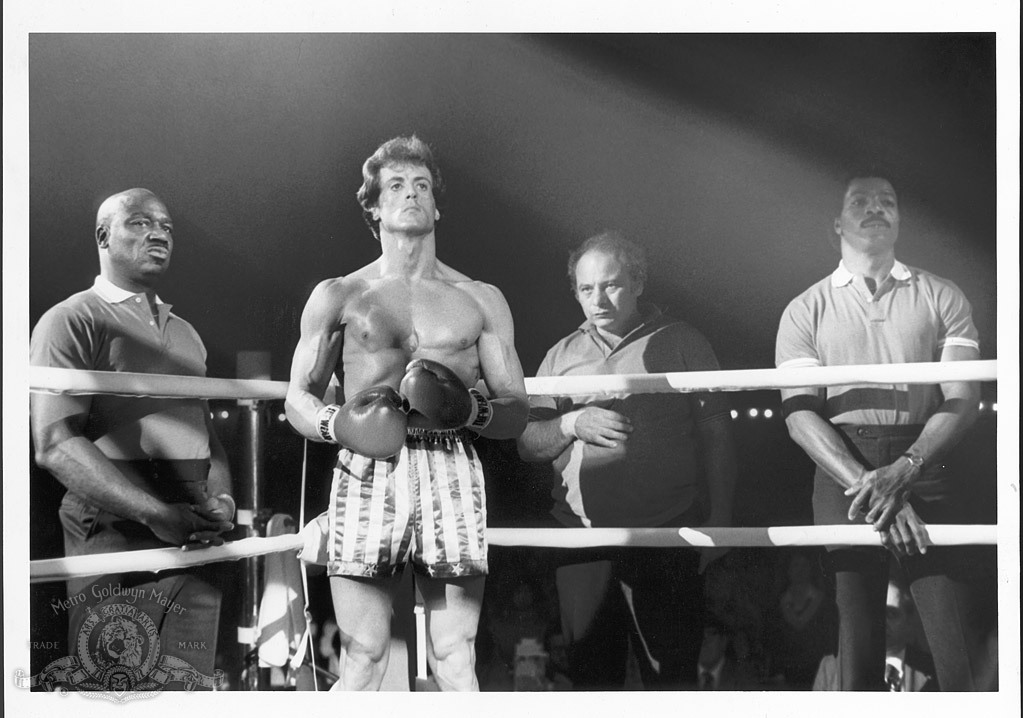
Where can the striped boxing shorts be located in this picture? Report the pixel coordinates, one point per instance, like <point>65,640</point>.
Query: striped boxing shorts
<point>427,506</point>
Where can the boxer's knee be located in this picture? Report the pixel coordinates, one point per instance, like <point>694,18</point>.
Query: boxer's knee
<point>362,664</point>
<point>455,663</point>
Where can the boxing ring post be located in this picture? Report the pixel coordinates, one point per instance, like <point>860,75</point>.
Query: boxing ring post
<point>249,485</point>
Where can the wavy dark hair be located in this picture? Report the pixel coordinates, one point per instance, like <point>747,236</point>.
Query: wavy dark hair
<point>400,151</point>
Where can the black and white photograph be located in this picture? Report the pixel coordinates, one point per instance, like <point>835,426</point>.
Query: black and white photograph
<point>336,357</point>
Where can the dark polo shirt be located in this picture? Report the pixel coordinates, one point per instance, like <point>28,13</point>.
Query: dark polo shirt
<point>106,328</point>
<point>653,477</point>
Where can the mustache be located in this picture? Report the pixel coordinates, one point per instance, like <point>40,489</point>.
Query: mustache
<point>876,219</point>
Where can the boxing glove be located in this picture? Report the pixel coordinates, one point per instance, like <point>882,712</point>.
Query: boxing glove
<point>372,423</point>
<point>437,398</point>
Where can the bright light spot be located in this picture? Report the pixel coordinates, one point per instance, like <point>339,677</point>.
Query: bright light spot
<point>735,414</point>
<point>982,406</point>
<point>753,413</point>
<point>994,407</point>
<point>211,414</point>
<point>224,414</point>
<point>281,417</point>
<point>768,413</point>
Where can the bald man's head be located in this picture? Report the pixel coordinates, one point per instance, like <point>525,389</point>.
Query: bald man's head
<point>134,238</point>
<point>115,202</point>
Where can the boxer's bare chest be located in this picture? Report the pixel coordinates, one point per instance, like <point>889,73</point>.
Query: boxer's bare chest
<point>416,318</point>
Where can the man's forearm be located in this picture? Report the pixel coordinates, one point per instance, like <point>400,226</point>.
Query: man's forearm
<point>301,407</point>
<point>821,442</point>
<point>219,481</point>
<point>546,440</point>
<point>83,469</point>
<point>946,427</point>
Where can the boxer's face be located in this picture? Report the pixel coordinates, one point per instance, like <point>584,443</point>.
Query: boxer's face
<point>870,214</point>
<point>606,293</point>
<point>406,203</point>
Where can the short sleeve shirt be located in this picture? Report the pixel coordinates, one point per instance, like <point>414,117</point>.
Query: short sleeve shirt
<point>106,328</point>
<point>911,318</point>
<point>653,477</point>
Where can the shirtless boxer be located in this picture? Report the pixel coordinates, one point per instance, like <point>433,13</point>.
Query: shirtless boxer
<point>426,360</point>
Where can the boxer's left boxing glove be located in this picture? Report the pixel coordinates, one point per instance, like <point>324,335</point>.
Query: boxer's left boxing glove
<point>371,423</point>
<point>438,399</point>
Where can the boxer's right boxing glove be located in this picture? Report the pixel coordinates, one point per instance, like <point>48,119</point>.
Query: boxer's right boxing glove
<point>372,423</point>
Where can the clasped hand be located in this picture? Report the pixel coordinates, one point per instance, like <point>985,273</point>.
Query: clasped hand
<point>907,535</point>
<point>196,525</point>
<point>602,427</point>
<point>881,493</point>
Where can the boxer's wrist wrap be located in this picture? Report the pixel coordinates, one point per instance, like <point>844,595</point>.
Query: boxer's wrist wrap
<point>325,422</point>
<point>481,411</point>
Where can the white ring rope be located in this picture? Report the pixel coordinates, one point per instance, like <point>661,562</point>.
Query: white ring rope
<point>74,381</point>
<point>77,381</point>
<point>162,559</point>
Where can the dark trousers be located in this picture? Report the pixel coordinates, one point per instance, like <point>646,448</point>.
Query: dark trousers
<point>181,607</point>
<point>948,584</point>
<point>653,596</point>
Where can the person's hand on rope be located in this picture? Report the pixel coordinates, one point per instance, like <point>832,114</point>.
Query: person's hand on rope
<point>217,508</point>
<point>907,535</point>
<point>182,525</point>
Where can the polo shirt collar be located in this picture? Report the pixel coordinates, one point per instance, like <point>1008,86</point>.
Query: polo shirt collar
<point>842,276</point>
<point>110,292</point>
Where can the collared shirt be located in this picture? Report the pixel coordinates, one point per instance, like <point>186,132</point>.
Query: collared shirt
<point>653,477</point>
<point>910,317</point>
<point>106,328</point>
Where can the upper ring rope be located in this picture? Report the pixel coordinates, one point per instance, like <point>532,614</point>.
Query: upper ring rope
<point>77,381</point>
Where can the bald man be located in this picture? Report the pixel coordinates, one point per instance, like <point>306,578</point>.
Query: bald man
<point>140,473</point>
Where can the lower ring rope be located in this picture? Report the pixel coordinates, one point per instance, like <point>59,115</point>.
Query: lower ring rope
<point>162,559</point>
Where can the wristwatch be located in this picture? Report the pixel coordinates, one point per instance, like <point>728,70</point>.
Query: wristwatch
<point>914,459</point>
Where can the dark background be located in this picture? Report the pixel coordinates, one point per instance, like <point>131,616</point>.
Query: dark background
<point>723,154</point>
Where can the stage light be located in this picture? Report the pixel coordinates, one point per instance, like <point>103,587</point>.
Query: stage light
<point>735,414</point>
<point>768,413</point>
<point>753,413</point>
<point>224,414</point>
<point>282,418</point>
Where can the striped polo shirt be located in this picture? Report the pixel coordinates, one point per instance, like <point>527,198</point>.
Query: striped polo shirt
<point>911,317</point>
